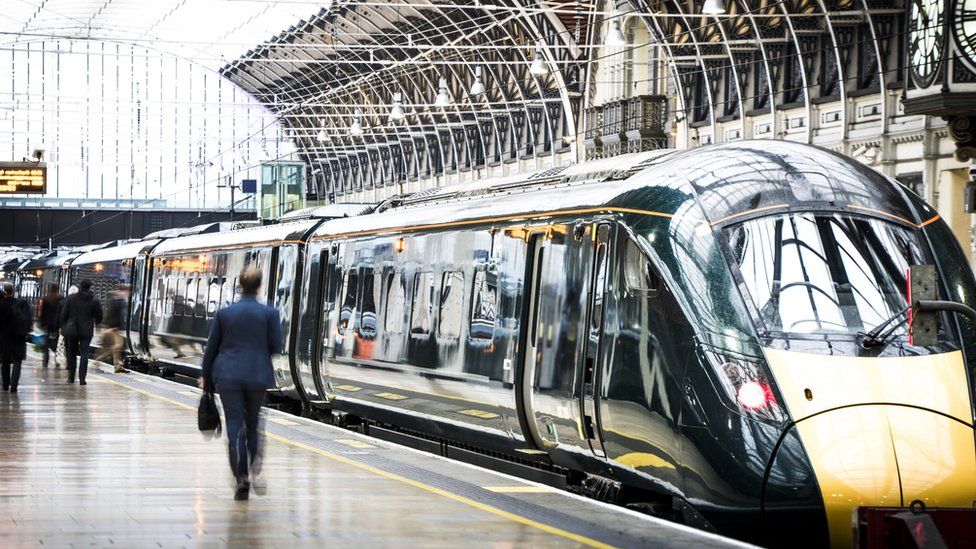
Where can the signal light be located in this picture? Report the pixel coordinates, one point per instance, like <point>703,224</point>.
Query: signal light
<point>754,395</point>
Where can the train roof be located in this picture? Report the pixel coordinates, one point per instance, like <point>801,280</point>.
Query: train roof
<point>249,237</point>
<point>329,211</point>
<point>728,182</point>
<point>114,253</point>
<point>49,259</point>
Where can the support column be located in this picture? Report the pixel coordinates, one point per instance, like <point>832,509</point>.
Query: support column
<point>951,185</point>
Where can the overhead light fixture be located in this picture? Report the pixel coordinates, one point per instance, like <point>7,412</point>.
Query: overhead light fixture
<point>396,113</point>
<point>538,67</point>
<point>442,99</point>
<point>714,7</point>
<point>478,87</point>
<point>356,129</point>
<point>614,36</point>
<point>322,136</point>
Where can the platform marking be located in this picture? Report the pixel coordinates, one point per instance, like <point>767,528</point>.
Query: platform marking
<point>479,414</point>
<point>283,421</point>
<point>354,443</point>
<point>189,393</point>
<point>390,396</point>
<point>524,489</point>
<point>393,476</point>
<point>348,388</point>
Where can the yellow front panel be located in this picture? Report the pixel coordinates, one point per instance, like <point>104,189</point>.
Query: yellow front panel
<point>936,458</point>
<point>936,382</point>
<point>852,457</point>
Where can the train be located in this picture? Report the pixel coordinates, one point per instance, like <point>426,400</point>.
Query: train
<point>689,333</point>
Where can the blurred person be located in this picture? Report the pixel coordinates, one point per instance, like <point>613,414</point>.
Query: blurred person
<point>237,364</point>
<point>80,313</point>
<point>49,320</point>
<point>15,324</point>
<point>113,342</point>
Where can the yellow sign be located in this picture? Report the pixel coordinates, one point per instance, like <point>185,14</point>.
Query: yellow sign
<point>23,178</point>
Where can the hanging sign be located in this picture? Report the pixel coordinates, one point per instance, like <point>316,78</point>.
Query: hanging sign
<point>23,178</point>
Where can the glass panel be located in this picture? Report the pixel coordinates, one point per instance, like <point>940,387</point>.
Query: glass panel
<point>824,273</point>
<point>349,287</point>
<point>367,310</point>
<point>423,301</point>
<point>452,300</point>
<point>395,302</point>
<point>484,296</point>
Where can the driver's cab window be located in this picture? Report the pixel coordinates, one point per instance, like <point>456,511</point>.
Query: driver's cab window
<point>639,273</point>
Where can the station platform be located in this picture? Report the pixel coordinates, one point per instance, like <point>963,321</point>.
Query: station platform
<point>121,462</point>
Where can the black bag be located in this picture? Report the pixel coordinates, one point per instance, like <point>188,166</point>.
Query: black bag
<point>208,418</point>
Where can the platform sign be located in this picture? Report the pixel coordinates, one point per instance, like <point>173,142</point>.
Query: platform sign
<point>23,178</point>
<point>249,186</point>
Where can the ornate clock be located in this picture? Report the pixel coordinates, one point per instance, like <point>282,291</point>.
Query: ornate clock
<point>964,28</point>
<point>925,20</point>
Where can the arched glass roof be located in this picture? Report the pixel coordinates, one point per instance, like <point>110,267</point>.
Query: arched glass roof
<point>209,32</point>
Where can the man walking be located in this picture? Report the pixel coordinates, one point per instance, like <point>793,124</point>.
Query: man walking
<point>237,362</point>
<point>50,322</point>
<point>15,324</point>
<point>79,315</point>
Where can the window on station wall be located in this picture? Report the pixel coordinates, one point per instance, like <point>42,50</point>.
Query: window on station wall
<point>423,303</point>
<point>484,299</point>
<point>396,295</point>
<point>452,302</point>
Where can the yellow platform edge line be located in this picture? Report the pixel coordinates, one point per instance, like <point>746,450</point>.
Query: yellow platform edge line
<point>393,476</point>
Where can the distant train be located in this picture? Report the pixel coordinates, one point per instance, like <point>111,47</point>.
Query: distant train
<point>681,331</point>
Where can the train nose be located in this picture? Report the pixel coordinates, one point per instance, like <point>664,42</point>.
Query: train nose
<point>887,455</point>
<point>877,431</point>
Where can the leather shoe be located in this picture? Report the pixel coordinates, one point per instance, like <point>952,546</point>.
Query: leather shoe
<point>82,383</point>
<point>242,491</point>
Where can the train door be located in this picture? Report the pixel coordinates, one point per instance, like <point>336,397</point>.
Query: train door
<point>594,329</point>
<point>538,435</point>
<point>555,330</point>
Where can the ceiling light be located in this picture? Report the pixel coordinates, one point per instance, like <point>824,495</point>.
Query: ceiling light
<point>396,113</point>
<point>538,67</point>
<point>477,88</point>
<point>356,129</point>
<point>442,99</point>
<point>714,7</point>
<point>615,37</point>
<point>322,136</point>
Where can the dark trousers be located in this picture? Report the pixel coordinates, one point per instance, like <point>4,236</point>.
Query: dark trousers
<point>75,348</point>
<point>10,379</point>
<point>51,347</point>
<point>242,411</point>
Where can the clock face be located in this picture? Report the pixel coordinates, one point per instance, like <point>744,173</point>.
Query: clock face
<point>925,39</point>
<point>964,28</point>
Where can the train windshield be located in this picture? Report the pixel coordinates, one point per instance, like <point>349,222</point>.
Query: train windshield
<point>823,273</point>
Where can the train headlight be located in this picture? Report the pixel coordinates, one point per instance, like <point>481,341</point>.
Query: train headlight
<point>747,388</point>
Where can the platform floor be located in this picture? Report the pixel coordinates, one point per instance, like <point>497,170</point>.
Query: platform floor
<point>121,463</point>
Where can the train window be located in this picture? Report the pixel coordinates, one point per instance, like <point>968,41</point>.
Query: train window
<point>484,296</point>
<point>395,302</point>
<point>452,301</point>
<point>367,308</point>
<point>350,285</point>
<point>599,279</point>
<point>213,297</point>
<point>423,302</point>
<point>179,291</point>
<point>639,272</point>
<point>200,311</point>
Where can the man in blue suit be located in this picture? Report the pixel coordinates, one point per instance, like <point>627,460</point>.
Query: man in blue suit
<point>237,363</point>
